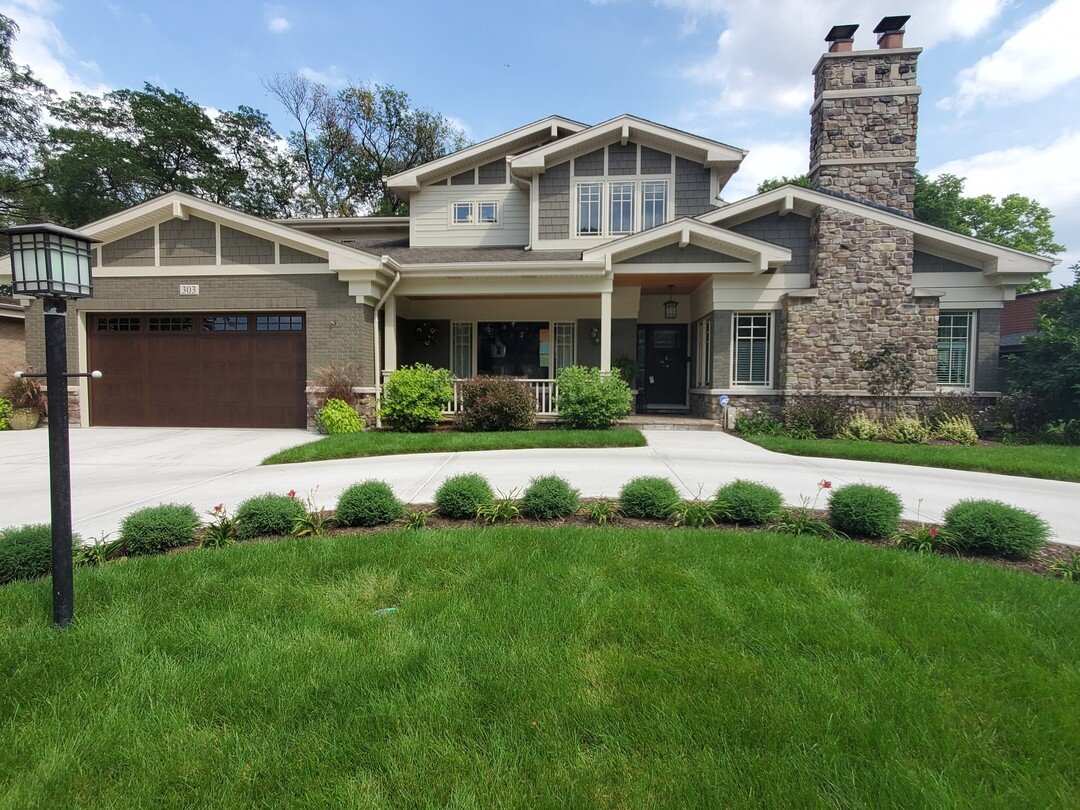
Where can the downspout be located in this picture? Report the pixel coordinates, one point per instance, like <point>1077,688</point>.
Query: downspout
<point>393,265</point>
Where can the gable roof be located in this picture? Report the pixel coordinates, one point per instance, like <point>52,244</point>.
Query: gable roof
<point>492,149</point>
<point>626,128</point>
<point>759,255</point>
<point>1007,265</point>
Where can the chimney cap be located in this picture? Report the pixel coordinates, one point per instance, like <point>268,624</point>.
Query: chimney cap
<point>838,32</point>
<point>889,25</point>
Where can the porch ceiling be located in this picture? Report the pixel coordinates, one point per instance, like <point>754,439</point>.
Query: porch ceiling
<point>657,283</point>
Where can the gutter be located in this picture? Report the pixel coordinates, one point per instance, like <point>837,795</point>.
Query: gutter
<point>393,265</point>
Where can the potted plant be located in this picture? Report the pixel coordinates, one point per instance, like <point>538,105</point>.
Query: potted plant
<point>27,401</point>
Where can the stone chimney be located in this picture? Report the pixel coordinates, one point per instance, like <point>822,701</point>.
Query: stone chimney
<point>864,119</point>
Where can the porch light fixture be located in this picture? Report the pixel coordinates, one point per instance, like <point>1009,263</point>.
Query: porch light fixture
<point>671,306</point>
<point>53,264</point>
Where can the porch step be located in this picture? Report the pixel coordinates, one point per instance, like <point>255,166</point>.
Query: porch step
<point>660,422</point>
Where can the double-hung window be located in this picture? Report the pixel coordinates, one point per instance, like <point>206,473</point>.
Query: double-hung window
<point>653,203</point>
<point>752,355</point>
<point>703,353</point>
<point>588,221</point>
<point>954,349</point>
<point>621,208</point>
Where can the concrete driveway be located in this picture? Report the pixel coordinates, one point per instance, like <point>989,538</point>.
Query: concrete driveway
<point>118,470</point>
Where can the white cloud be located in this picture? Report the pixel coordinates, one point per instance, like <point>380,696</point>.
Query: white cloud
<point>1033,62</point>
<point>767,159</point>
<point>40,45</point>
<point>460,124</point>
<point>276,21</point>
<point>1049,173</point>
<point>763,54</point>
<point>332,76</point>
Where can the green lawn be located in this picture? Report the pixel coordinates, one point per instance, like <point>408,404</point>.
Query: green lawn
<point>1034,460</point>
<point>555,667</point>
<point>387,443</point>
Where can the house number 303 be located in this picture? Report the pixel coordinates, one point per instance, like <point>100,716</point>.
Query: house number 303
<point>189,289</point>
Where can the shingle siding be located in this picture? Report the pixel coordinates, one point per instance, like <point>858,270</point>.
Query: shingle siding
<point>622,159</point>
<point>492,174</point>
<point>692,183</point>
<point>554,196</point>
<point>927,263</point>
<point>289,255</point>
<point>187,241</point>
<point>673,254</point>
<point>136,250</point>
<point>791,231</point>
<point>465,178</point>
<point>238,247</point>
<point>987,348</point>
<point>590,165</point>
<point>653,161</point>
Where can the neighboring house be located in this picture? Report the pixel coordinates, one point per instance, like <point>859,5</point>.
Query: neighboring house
<point>12,340</point>
<point>554,244</point>
<point>1017,322</point>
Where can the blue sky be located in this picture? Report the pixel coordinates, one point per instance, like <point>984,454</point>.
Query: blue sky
<point>1001,101</point>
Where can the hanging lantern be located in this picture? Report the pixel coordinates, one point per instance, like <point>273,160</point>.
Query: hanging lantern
<point>671,306</point>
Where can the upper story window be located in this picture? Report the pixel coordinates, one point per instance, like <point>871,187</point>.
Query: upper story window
<point>469,212</point>
<point>489,213</point>
<point>463,213</point>
<point>620,207</point>
<point>954,349</point>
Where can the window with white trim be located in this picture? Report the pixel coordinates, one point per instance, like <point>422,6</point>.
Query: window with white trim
<point>751,356</point>
<point>588,219</point>
<point>954,349</point>
<point>489,213</point>
<point>620,208</point>
<point>463,213</point>
<point>565,348</point>
<point>703,353</point>
<point>461,350</point>
<point>653,203</point>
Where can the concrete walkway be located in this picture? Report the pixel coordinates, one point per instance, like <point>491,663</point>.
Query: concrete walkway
<point>117,470</point>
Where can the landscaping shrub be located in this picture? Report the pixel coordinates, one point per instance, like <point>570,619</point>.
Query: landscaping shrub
<point>862,510</point>
<point>749,502</point>
<point>603,511</point>
<point>5,412</point>
<point>370,503</point>
<point>549,497</point>
<point>932,411</point>
<point>1063,431</point>
<point>414,396</point>
<point>338,416</point>
<point>268,515</point>
<point>1068,569</point>
<point>924,539</point>
<point>995,527</point>
<point>816,415</point>
<point>956,429</point>
<point>693,514</point>
<point>1018,416</point>
<point>26,551</point>
<point>862,428</point>
<point>758,423</point>
<point>496,403</point>
<point>158,528</point>
<point>502,509</point>
<point>337,382</point>
<point>460,496</point>
<point>907,430</point>
<point>589,400</point>
<point>648,498</point>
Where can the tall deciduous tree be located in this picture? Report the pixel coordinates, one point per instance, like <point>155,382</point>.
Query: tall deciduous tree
<point>346,142</point>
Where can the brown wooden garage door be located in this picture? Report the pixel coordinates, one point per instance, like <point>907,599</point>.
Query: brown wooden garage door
<point>234,369</point>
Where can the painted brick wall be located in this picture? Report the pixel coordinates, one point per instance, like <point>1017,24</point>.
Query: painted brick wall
<point>622,159</point>
<point>12,347</point>
<point>187,241</point>
<point>238,247</point>
<point>653,161</point>
<point>554,200</point>
<point>926,263</point>
<point>791,231</point>
<point>136,250</point>
<point>339,331</point>
<point>493,173</point>
<point>987,350</point>
<point>692,182</point>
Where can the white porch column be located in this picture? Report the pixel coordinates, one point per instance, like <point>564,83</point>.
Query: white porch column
<point>605,331</point>
<point>390,334</point>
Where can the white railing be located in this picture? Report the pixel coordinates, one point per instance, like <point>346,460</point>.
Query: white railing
<point>545,395</point>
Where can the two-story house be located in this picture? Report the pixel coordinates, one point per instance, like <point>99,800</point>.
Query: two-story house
<point>554,244</point>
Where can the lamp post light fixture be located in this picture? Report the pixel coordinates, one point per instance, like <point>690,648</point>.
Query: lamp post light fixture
<point>53,264</point>
<point>671,306</point>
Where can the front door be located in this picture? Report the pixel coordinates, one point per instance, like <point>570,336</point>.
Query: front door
<point>662,367</point>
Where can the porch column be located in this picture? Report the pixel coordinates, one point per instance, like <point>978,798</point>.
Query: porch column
<point>605,331</point>
<point>390,334</point>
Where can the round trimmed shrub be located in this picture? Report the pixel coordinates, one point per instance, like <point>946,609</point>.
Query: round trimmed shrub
<point>550,497</point>
<point>862,510</point>
<point>589,400</point>
<point>338,416</point>
<point>461,495</point>
<point>648,498</point>
<point>996,528</point>
<point>496,403</point>
<point>414,397</point>
<point>268,515</point>
<point>26,551</point>
<point>749,502</point>
<point>370,503</point>
<point>158,528</point>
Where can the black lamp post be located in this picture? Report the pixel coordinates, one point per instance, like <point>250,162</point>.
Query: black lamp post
<point>53,264</point>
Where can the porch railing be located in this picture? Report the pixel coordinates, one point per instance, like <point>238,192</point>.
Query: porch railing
<point>545,395</point>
